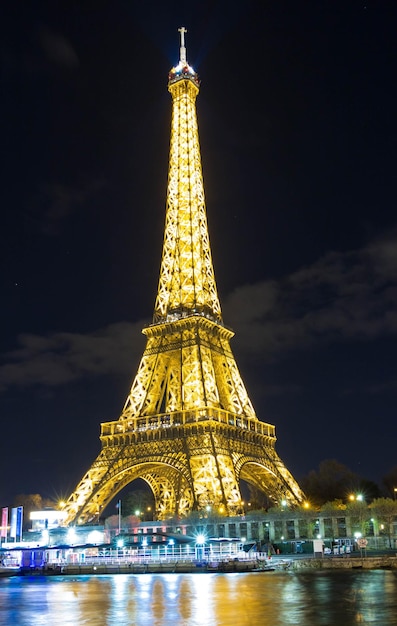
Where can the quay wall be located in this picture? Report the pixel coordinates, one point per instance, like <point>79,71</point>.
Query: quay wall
<point>225,566</point>
<point>345,562</point>
<point>185,567</point>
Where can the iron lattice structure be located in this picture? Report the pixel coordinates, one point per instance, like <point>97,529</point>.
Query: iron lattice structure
<point>188,427</point>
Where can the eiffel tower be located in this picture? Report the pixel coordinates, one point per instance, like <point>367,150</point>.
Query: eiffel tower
<point>188,427</point>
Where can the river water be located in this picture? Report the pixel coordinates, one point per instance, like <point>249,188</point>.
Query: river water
<point>326,598</point>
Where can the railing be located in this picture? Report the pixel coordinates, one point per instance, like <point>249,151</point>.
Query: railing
<point>170,554</point>
<point>180,418</point>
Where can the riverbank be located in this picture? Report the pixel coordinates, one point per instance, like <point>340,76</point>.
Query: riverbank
<point>346,562</point>
<point>190,567</point>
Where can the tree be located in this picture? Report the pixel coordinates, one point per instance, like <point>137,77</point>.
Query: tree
<point>390,483</point>
<point>385,512</point>
<point>332,481</point>
<point>32,502</point>
<point>257,499</point>
<point>359,516</point>
<point>368,488</point>
<point>130,522</point>
<point>330,508</point>
<point>139,500</point>
<point>112,522</point>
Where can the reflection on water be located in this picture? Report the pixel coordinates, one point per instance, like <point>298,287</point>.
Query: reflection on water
<point>340,598</point>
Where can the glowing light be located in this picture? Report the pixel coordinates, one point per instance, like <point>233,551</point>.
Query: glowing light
<point>95,537</point>
<point>359,497</point>
<point>201,538</point>
<point>51,516</point>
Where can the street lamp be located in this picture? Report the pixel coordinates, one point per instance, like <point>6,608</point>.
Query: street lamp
<point>200,551</point>
<point>375,531</point>
<point>359,497</point>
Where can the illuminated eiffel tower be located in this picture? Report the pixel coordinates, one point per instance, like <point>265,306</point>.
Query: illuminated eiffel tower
<point>188,427</point>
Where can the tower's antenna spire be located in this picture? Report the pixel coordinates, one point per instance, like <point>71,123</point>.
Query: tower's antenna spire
<point>182,58</point>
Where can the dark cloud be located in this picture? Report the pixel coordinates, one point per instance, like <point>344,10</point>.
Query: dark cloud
<point>60,358</point>
<point>36,50</point>
<point>56,201</point>
<point>344,296</point>
<point>58,48</point>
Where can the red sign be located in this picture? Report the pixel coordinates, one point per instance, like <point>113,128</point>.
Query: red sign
<point>4,522</point>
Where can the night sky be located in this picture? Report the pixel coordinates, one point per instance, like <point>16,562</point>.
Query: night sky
<point>298,133</point>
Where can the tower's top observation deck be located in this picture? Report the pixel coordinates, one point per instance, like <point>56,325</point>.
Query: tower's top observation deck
<point>183,70</point>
